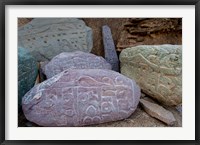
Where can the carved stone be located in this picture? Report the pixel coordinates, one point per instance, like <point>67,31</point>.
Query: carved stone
<point>78,97</point>
<point>109,48</point>
<point>27,72</point>
<point>157,69</point>
<point>158,112</point>
<point>48,37</point>
<point>74,60</point>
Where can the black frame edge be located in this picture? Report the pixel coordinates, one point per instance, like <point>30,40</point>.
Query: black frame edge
<point>89,2</point>
<point>2,72</point>
<point>197,54</point>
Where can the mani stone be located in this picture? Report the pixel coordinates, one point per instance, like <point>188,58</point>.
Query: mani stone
<point>48,37</point>
<point>27,73</point>
<point>158,112</point>
<point>74,60</point>
<point>109,48</point>
<point>157,69</point>
<point>79,97</point>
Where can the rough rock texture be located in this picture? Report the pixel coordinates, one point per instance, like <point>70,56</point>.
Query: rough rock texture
<point>158,112</point>
<point>74,60</point>
<point>157,69</point>
<point>116,25</point>
<point>150,31</point>
<point>109,48</point>
<point>81,97</point>
<point>47,37</point>
<point>27,72</point>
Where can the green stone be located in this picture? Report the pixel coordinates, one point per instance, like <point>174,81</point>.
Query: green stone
<point>157,69</point>
<point>27,72</point>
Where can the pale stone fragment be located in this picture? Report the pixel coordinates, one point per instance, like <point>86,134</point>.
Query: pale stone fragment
<point>158,112</point>
<point>79,97</point>
<point>157,69</point>
<point>74,60</point>
<point>48,37</point>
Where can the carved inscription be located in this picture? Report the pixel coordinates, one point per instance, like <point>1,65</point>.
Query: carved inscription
<point>48,37</point>
<point>90,96</point>
<point>74,60</point>
<point>157,69</point>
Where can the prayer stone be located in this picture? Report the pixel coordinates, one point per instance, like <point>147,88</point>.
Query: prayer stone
<point>79,97</point>
<point>74,60</point>
<point>157,69</point>
<point>48,37</point>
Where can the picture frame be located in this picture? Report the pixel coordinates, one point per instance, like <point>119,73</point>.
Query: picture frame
<point>3,73</point>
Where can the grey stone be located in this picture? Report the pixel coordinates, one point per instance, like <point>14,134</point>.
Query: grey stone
<point>78,97</point>
<point>109,48</point>
<point>158,112</point>
<point>157,69</point>
<point>48,37</point>
<point>74,60</point>
<point>27,72</point>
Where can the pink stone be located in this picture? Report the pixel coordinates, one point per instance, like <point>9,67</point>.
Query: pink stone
<point>74,60</point>
<point>79,97</point>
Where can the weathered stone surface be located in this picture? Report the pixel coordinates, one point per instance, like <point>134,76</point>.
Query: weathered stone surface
<point>150,31</point>
<point>48,37</point>
<point>109,48</point>
<point>157,69</point>
<point>74,60</point>
<point>79,97</point>
<point>27,72</point>
<point>158,112</point>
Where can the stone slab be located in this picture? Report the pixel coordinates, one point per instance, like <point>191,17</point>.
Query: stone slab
<point>109,48</point>
<point>81,97</point>
<point>48,37</point>
<point>157,69</point>
<point>158,112</point>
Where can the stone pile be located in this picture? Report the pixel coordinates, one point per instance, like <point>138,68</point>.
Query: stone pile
<point>150,31</point>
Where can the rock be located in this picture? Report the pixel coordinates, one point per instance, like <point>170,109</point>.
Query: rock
<point>157,69</point>
<point>158,112</point>
<point>48,37</point>
<point>74,60</point>
<point>109,48</point>
<point>179,108</point>
<point>79,97</point>
<point>150,31</point>
<point>27,73</point>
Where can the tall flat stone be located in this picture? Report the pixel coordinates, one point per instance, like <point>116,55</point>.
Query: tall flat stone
<point>74,60</point>
<point>48,37</point>
<point>81,97</point>
<point>27,72</point>
<point>157,69</point>
<point>158,112</point>
<point>109,48</point>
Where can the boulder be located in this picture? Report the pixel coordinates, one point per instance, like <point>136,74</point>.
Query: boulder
<point>27,72</point>
<point>158,112</point>
<point>109,48</point>
<point>157,69</point>
<point>79,97</point>
<point>74,60</point>
<point>48,37</point>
